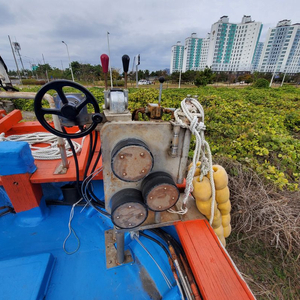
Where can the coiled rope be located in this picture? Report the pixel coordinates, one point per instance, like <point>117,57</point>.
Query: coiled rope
<point>192,110</point>
<point>42,153</point>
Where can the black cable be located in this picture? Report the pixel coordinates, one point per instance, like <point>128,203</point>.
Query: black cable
<point>90,155</point>
<point>92,194</point>
<point>98,157</point>
<point>75,160</point>
<point>157,242</point>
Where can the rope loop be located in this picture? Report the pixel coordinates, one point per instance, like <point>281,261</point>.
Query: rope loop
<point>190,115</point>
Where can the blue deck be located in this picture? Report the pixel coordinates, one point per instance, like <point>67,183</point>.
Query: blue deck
<point>82,275</point>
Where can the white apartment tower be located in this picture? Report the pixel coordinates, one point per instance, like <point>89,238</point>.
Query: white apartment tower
<point>176,57</point>
<point>233,46</point>
<point>257,56</point>
<point>195,53</point>
<point>281,51</point>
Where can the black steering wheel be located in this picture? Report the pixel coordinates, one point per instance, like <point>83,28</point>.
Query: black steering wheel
<point>68,110</point>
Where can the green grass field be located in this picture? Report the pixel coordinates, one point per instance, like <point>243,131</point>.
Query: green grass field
<point>255,133</point>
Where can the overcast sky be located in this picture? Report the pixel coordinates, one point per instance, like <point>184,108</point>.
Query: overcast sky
<point>148,27</point>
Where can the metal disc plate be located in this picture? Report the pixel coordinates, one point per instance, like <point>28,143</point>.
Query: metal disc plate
<point>162,197</point>
<point>129,215</point>
<point>132,163</point>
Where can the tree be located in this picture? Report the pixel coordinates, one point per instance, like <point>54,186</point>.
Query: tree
<point>261,83</point>
<point>204,77</point>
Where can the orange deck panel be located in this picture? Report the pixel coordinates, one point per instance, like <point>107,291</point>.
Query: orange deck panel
<point>213,270</point>
<point>8,121</point>
<point>46,168</point>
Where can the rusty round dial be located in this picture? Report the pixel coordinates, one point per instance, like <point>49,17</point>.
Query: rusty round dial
<point>131,160</point>
<point>128,209</point>
<point>159,191</point>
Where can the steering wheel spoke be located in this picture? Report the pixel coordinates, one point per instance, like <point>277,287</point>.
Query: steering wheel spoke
<point>62,95</point>
<point>80,106</point>
<point>49,111</point>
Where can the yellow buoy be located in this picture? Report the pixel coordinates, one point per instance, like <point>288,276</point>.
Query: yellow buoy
<point>217,220</point>
<point>227,230</point>
<point>205,207</point>
<point>220,177</point>
<point>202,189</point>
<point>226,220</point>
<point>197,170</point>
<point>222,240</point>
<point>225,208</point>
<point>219,231</point>
<point>222,195</point>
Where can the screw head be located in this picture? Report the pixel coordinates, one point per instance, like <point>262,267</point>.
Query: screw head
<point>129,206</point>
<point>129,224</point>
<point>118,217</point>
<point>124,174</point>
<point>159,206</point>
<point>141,214</point>
<point>143,171</point>
<point>121,156</point>
<point>173,198</point>
<point>165,188</point>
<point>141,154</point>
<point>151,198</point>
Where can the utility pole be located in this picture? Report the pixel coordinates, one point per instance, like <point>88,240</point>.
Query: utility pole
<point>18,71</point>
<point>45,67</point>
<point>69,61</point>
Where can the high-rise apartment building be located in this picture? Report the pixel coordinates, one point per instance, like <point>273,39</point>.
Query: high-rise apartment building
<point>176,57</point>
<point>257,56</point>
<point>233,46</point>
<point>195,53</point>
<point>281,51</point>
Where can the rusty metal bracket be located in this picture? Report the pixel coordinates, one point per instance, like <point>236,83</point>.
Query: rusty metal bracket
<point>61,169</point>
<point>111,251</point>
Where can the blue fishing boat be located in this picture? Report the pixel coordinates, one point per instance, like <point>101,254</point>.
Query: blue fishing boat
<point>101,207</point>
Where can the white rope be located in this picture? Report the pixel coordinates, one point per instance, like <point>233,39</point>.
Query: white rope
<point>71,230</point>
<point>43,153</point>
<point>193,111</point>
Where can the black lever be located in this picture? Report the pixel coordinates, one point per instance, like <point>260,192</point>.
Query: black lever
<point>125,61</point>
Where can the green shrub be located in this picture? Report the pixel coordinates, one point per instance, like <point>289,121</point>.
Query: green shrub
<point>261,83</point>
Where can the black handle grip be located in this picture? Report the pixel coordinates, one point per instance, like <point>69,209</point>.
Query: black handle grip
<point>161,79</point>
<point>125,61</point>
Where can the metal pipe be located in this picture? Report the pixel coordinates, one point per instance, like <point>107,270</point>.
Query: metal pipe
<point>69,61</point>
<point>175,141</point>
<point>120,247</point>
<point>184,156</point>
<point>157,217</point>
<point>57,125</point>
<point>15,60</point>
<point>109,64</point>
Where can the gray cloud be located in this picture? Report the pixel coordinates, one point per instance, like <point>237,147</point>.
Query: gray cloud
<point>146,27</point>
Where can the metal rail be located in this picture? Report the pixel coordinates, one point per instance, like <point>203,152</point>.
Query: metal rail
<point>60,141</point>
